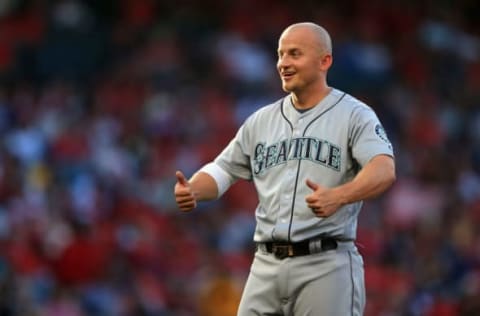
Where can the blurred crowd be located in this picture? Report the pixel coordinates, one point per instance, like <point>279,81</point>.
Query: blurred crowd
<point>101,101</point>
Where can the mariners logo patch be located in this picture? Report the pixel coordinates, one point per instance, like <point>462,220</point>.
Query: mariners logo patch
<point>380,131</point>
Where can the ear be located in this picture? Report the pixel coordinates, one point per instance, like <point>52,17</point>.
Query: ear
<point>326,62</point>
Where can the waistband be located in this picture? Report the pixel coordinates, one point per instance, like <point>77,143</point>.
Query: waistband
<point>283,249</point>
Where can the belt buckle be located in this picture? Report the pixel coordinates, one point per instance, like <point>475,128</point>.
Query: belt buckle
<point>282,251</point>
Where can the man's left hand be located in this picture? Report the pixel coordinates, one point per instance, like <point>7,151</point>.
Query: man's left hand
<point>322,201</point>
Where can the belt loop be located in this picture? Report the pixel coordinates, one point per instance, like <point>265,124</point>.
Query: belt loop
<point>315,245</point>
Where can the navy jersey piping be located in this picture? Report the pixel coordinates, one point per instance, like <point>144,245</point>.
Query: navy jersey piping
<point>284,116</point>
<point>291,130</point>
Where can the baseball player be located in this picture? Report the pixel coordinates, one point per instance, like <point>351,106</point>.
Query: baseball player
<point>313,156</point>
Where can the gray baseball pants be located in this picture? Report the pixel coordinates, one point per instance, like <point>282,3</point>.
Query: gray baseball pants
<point>328,283</point>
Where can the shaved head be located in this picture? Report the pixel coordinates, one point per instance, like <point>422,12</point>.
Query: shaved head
<point>304,58</point>
<point>318,34</point>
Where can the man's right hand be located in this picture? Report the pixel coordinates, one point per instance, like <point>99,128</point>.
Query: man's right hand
<point>184,195</point>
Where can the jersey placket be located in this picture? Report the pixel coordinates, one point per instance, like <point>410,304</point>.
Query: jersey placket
<point>289,187</point>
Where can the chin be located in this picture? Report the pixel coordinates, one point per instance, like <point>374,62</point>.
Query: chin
<point>287,87</point>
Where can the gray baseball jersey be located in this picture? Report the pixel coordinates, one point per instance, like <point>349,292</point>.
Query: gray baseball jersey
<point>278,148</point>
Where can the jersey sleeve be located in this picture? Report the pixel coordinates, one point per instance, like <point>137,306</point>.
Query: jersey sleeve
<point>367,136</point>
<point>234,159</point>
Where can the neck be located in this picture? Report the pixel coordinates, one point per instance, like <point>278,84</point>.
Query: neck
<point>306,100</point>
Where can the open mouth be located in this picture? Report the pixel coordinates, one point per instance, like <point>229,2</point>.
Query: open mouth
<point>287,75</point>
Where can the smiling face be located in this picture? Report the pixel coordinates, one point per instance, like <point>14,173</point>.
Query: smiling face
<point>304,56</point>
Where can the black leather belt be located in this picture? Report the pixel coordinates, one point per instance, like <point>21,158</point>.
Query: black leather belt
<point>282,250</point>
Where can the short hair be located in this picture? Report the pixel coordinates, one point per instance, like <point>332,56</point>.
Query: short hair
<point>320,33</point>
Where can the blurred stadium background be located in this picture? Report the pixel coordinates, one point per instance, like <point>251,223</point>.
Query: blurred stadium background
<point>102,100</point>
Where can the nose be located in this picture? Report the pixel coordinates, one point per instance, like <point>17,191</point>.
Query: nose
<point>282,63</point>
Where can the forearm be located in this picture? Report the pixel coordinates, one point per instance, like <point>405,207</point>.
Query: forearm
<point>204,186</point>
<point>374,178</point>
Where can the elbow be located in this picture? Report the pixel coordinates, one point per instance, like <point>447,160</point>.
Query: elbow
<point>392,179</point>
<point>391,176</point>
<point>387,174</point>
<point>387,180</point>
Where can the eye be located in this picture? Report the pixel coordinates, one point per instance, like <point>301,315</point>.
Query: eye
<point>295,53</point>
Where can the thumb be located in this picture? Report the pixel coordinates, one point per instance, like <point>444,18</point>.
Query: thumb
<point>181,178</point>
<point>312,185</point>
